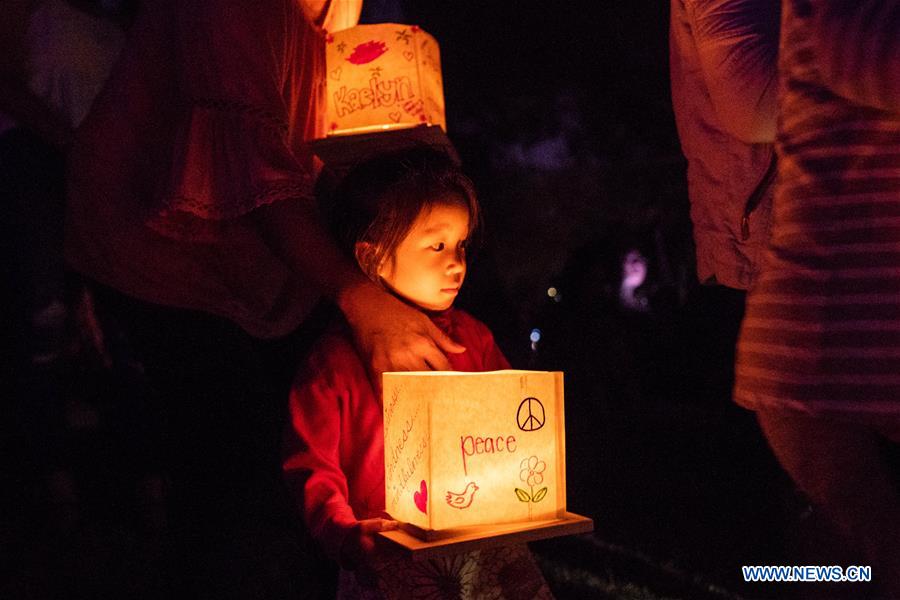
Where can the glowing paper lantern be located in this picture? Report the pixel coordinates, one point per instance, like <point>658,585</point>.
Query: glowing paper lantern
<point>465,449</point>
<point>382,76</point>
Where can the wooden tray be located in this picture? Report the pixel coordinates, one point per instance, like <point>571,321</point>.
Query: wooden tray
<point>488,536</point>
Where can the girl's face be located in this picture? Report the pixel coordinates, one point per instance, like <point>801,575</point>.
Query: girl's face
<point>429,265</point>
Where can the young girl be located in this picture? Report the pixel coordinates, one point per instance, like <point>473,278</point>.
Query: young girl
<point>407,219</point>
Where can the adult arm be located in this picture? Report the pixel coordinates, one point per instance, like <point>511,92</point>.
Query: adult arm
<point>390,335</point>
<point>332,15</point>
<point>737,42</point>
<point>246,114</point>
<point>857,48</point>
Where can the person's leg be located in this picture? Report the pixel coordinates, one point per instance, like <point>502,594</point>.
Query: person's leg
<point>842,467</point>
<point>32,194</point>
<point>221,395</point>
<point>33,319</point>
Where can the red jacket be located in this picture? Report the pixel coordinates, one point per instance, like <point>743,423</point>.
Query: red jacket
<point>335,445</point>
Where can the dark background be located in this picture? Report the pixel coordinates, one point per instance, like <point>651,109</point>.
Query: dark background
<point>562,116</point>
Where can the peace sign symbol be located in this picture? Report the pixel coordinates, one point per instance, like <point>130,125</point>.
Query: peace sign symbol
<point>530,416</point>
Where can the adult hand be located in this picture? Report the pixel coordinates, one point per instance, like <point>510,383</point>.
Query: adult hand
<point>389,335</point>
<point>392,336</point>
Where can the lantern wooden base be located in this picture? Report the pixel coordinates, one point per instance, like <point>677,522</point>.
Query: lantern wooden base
<point>487,536</point>
<point>341,152</point>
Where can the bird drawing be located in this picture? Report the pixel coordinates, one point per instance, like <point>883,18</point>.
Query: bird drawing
<point>464,498</point>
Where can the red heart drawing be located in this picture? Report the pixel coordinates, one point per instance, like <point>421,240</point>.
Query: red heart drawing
<point>421,497</point>
<point>395,116</point>
<point>408,55</point>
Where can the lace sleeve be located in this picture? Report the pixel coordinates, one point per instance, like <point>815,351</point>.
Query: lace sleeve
<point>234,149</point>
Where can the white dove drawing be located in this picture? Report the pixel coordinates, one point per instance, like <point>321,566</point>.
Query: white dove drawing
<point>464,498</point>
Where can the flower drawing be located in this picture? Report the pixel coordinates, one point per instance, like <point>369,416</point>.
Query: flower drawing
<point>532,471</point>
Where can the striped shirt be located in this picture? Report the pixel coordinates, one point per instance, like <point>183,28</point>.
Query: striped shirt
<point>822,327</point>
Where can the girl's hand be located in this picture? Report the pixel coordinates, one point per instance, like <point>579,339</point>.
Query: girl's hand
<point>359,544</point>
<point>392,336</point>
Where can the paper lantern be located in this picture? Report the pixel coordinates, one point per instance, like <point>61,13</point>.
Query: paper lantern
<point>465,449</point>
<point>383,76</point>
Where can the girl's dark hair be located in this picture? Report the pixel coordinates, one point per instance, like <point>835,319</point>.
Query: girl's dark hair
<point>378,201</point>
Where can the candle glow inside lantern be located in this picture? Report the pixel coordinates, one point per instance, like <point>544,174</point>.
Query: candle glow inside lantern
<point>465,449</point>
<point>383,76</point>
